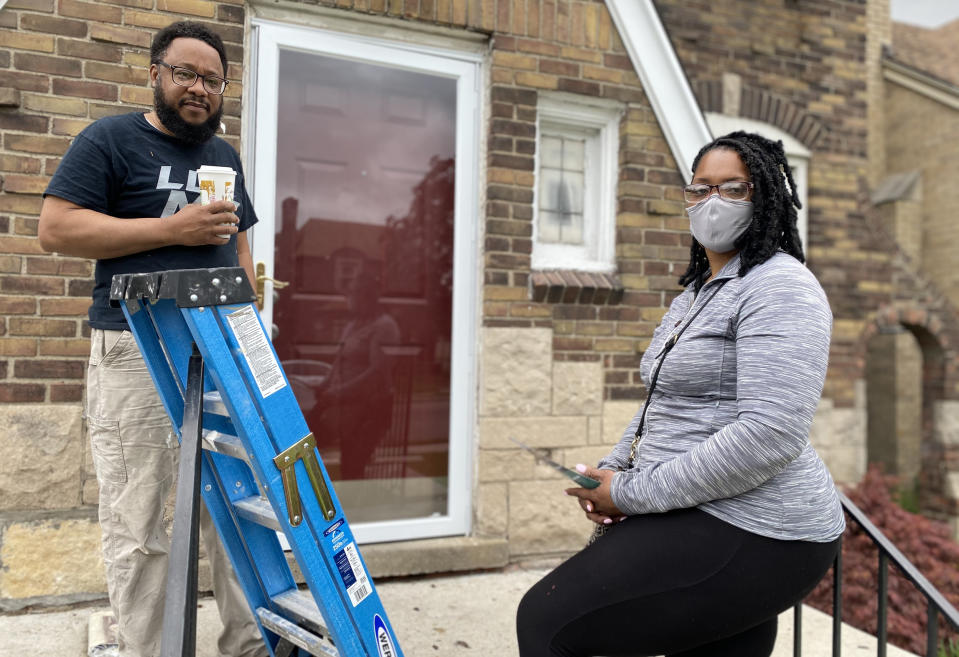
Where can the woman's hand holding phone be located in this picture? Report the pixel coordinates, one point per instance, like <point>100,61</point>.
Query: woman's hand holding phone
<point>597,502</point>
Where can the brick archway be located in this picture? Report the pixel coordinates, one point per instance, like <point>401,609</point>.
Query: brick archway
<point>761,105</point>
<point>938,448</point>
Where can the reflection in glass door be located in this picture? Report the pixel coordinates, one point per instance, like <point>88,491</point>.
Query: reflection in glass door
<point>364,195</point>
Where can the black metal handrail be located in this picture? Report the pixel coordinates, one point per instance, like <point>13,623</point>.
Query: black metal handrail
<point>936,603</point>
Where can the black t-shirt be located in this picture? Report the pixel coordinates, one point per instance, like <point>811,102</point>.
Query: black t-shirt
<point>124,167</point>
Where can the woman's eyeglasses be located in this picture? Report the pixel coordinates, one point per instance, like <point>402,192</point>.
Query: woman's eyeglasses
<point>184,77</point>
<point>731,191</point>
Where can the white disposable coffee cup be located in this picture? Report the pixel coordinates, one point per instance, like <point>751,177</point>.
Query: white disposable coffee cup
<point>216,184</point>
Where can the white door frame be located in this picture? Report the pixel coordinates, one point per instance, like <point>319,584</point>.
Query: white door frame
<point>268,38</point>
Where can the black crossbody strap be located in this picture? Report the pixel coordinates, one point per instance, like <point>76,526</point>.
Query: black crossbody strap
<point>667,347</point>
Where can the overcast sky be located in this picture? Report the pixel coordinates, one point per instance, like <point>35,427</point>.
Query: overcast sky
<point>928,13</point>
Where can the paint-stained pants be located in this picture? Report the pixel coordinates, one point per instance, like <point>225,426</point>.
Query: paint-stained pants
<point>135,455</point>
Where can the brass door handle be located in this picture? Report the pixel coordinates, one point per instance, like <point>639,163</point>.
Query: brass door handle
<point>261,279</point>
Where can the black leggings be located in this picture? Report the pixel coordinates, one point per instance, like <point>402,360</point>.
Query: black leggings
<point>681,584</point>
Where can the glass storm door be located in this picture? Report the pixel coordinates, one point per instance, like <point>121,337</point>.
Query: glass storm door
<point>364,185</point>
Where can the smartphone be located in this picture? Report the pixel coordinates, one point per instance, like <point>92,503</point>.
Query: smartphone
<point>581,479</point>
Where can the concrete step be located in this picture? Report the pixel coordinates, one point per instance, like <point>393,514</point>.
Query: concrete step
<point>431,615</point>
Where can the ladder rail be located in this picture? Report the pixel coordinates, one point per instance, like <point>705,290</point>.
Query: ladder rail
<point>231,380</point>
<point>178,634</point>
<point>260,441</point>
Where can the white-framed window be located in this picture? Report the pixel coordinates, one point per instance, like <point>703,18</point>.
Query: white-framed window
<point>577,154</point>
<point>797,155</point>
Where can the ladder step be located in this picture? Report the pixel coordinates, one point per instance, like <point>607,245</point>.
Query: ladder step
<point>224,443</point>
<point>300,606</point>
<point>295,634</point>
<point>256,508</point>
<point>213,404</point>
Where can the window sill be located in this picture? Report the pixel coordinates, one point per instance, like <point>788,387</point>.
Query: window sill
<point>568,286</point>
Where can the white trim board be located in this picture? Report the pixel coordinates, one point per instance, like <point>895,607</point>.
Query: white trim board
<point>663,78</point>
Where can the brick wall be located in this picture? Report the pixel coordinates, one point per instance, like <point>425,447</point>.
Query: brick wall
<point>912,145</point>
<point>803,70</point>
<point>64,64</point>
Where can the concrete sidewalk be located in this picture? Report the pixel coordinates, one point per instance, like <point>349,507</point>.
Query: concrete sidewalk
<point>456,615</point>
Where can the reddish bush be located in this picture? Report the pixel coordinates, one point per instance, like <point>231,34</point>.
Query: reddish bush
<point>926,543</point>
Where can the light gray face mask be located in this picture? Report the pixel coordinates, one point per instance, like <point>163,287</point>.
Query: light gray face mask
<point>717,223</point>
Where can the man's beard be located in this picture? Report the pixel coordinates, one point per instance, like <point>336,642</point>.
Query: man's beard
<point>191,133</point>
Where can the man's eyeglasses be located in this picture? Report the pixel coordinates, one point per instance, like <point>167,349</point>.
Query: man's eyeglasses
<point>731,191</point>
<point>184,77</point>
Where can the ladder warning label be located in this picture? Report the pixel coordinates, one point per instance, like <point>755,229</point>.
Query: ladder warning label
<point>354,575</point>
<point>257,351</point>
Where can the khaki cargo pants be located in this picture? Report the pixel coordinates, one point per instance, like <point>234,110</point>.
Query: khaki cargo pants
<point>135,454</point>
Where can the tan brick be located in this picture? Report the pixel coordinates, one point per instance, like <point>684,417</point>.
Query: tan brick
<point>17,306</point>
<point>65,346</point>
<point>141,59</point>
<point>19,184</point>
<point>591,24</point>
<point>504,293</point>
<point>18,347</point>
<point>42,327</point>
<point>91,11</point>
<point>498,175</point>
<point>10,264</point>
<point>25,41</point>
<point>537,80</point>
<point>25,226</point>
<point>54,266</point>
<point>149,19</point>
<point>23,245</point>
<point>538,47</point>
<point>32,5</point>
<point>614,344</point>
<point>137,95</point>
<point>514,60</point>
<point>103,52</point>
<point>603,74</point>
<point>34,144</point>
<point>54,104</point>
<point>116,73</point>
<point>63,307</point>
<point>191,7</point>
<point>20,203</point>
<point>84,89</point>
<point>459,12</point>
<point>582,54</point>
<point>47,64</point>
<point>19,164</point>
<point>530,310</point>
<point>124,35</point>
<point>71,127</point>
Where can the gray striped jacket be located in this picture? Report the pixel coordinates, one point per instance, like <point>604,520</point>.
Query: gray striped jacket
<point>727,427</point>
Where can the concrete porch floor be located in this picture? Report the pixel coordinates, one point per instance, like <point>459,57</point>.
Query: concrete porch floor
<point>458,615</point>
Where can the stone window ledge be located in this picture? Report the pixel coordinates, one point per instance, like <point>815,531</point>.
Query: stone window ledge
<point>568,286</point>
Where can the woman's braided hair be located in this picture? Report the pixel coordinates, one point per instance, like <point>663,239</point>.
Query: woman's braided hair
<point>774,206</point>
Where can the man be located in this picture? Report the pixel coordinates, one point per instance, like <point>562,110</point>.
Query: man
<point>126,195</point>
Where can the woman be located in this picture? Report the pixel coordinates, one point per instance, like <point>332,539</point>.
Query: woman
<point>719,513</point>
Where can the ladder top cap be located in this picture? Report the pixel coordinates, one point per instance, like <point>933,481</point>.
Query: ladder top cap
<point>190,288</point>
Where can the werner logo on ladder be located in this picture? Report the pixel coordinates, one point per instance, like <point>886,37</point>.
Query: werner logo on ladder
<point>246,449</point>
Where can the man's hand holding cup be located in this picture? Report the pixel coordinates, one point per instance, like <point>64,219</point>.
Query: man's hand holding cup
<point>216,184</point>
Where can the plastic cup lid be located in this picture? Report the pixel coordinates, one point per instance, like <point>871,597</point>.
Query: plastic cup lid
<point>207,168</point>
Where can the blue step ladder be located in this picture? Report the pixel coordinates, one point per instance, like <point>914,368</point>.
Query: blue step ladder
<point>246,449</point>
